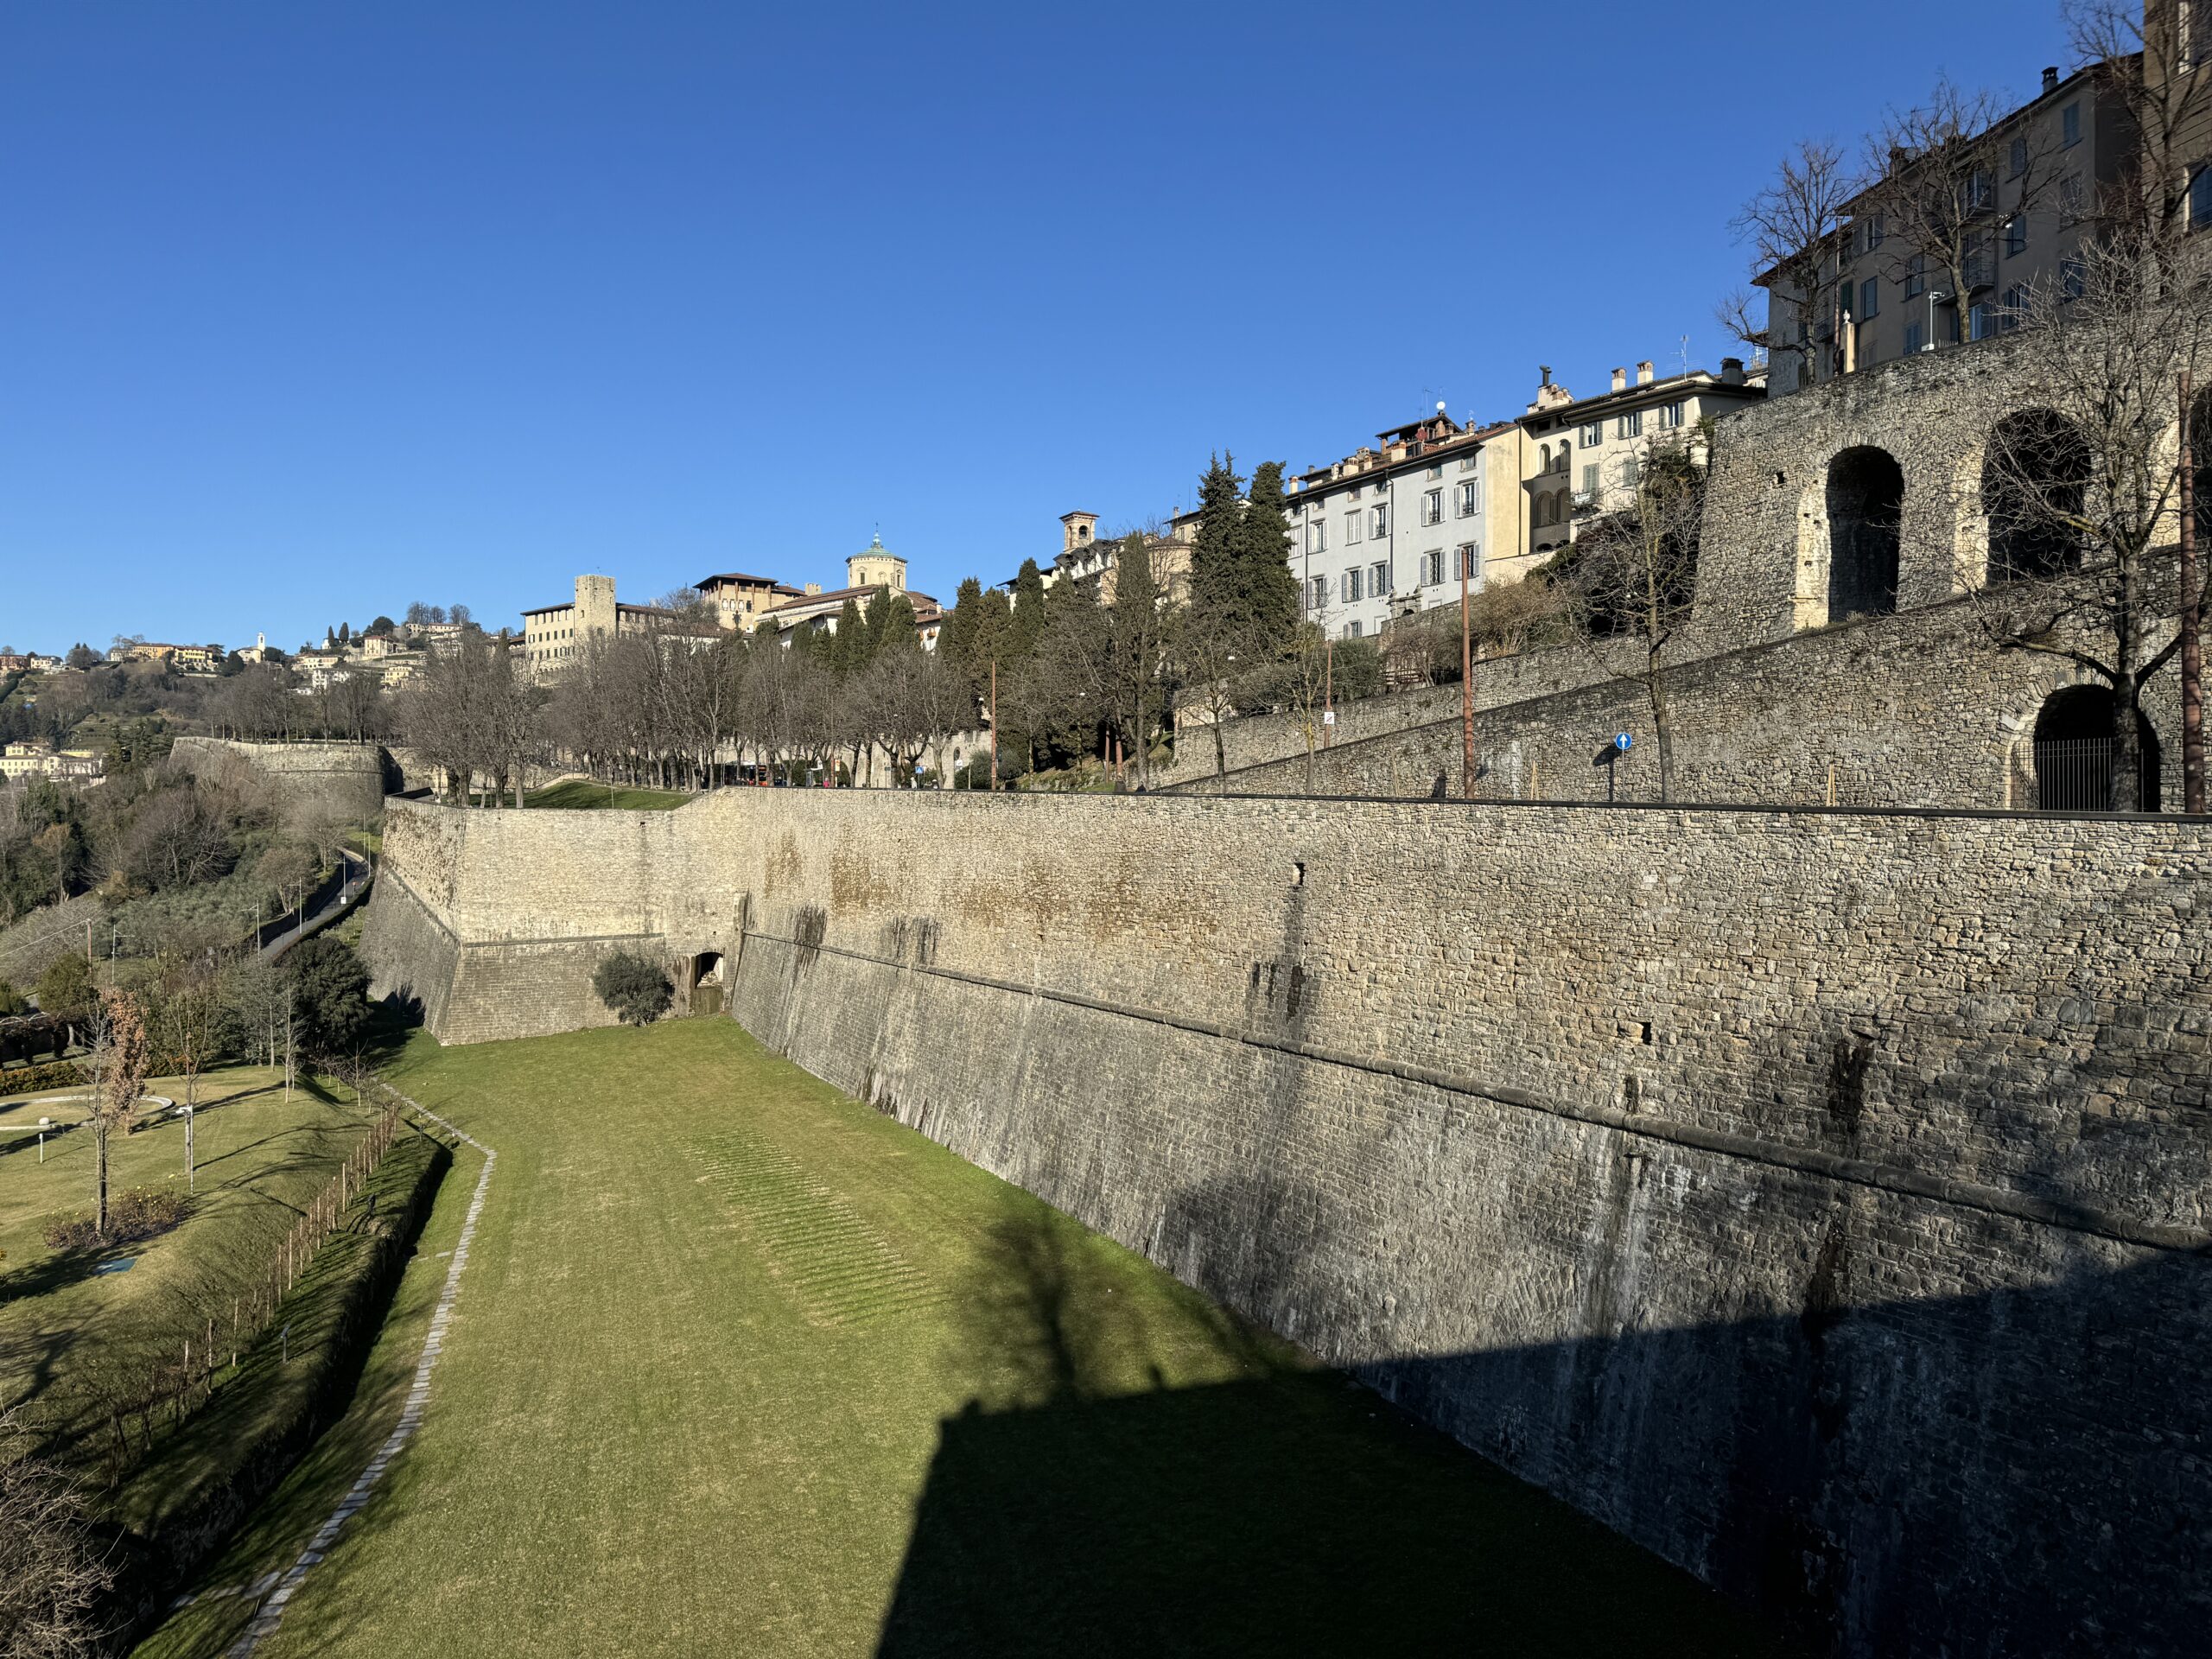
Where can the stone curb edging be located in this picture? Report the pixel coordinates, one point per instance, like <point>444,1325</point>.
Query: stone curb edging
<point>271,1613</point>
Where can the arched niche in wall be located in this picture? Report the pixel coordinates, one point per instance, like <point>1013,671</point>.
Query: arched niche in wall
<point>2073,752</point>
<point>2035,478</point>
<point>1864,506</point>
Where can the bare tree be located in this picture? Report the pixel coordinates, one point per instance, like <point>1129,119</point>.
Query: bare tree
<point>54,1577</point>
<point>1632,575</point>
<point>1793,226</point>
<point>1949,178</point>
<point>470,712</point>
<point>123,1058</point>
<point>1222,659</point>
<point>2145,57</point>
<point>1139,623</point>
<point>2081,489</point>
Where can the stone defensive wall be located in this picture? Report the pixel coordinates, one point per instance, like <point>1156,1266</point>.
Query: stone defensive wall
<point>1915,710</point>
<point>1820,1200</point>
<point>344,780</point>
<point>1838,619</point>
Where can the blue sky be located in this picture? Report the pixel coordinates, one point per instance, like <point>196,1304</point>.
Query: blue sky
<point>307,311</point>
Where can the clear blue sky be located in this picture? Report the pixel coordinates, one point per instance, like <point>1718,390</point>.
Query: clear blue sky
<point>308,310</point>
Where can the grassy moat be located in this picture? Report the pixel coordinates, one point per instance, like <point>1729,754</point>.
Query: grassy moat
<point>740,1366</point>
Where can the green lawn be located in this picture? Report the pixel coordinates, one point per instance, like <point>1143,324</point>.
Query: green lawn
<point>71,1338</point>
<point>740,1366</point>
<point>579,794</point>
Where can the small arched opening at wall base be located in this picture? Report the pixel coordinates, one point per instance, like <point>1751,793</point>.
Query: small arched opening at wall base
<point>2073,754</point>
<point>707,983</point>
<point>2035,479</point>
<point>1866,511</point>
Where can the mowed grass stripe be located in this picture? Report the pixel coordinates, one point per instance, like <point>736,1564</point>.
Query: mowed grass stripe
<point>838,1269</point>
<point>639,1445</point>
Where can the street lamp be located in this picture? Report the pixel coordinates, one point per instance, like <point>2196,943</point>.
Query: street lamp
<point>1934,295</point>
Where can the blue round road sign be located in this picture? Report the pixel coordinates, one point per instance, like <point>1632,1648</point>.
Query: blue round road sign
<point>1624,742</point>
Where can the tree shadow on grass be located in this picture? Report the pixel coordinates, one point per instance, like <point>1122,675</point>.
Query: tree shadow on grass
<point>1084,1505</point>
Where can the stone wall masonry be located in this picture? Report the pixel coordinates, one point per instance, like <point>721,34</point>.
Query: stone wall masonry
<point>1820,1198</point>
<point>1911,711</point>
<point>531,901</point>
<point>1252,739</point>
<point>1763,580</point>
<point>344,780</point>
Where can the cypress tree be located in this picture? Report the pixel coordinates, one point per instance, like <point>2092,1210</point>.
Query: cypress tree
<point>992,641</point>
<point>899,631</point>
<point>848,646</point>
<point>1269,590</point>
<point>1027,625</point>
<point>956,641</point>
<point>876,624</point>
<point>1216,579</point>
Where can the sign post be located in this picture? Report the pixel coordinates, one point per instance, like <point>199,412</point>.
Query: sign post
<point>1609,757</point>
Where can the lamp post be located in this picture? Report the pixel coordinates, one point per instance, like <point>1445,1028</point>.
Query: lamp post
<point>1934,295</point>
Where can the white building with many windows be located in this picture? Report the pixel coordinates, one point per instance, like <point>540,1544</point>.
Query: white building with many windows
<point>1581,455</point>
<point>1385,531</point>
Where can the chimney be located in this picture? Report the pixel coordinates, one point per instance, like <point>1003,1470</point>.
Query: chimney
<point>1643,372</point>
<point>1731,370</point>
<point>813,586</point>
<point>1547,369</point>
<point>2051,79</point>
<point>1620,379</point>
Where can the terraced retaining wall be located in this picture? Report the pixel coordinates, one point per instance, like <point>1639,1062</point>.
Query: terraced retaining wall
<point>344,781</point>
<point>1820,1200</point>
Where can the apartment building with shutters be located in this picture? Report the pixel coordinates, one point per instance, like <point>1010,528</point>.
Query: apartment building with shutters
<point>1384,532</point>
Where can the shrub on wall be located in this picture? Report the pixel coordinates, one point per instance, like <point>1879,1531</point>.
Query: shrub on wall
<point>633,986</point>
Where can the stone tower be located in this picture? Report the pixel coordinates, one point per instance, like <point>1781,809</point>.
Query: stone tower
<point>594,606</point>
<point>875,566</point>
<point>1077,530</point>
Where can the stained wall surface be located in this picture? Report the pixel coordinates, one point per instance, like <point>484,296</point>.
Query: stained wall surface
<point>340,780</point>
<point>1819,1199</point>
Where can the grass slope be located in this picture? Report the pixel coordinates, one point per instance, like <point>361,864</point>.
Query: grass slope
<point>741,1367</point>
<point>69,1336</point>
<point>580,795</point>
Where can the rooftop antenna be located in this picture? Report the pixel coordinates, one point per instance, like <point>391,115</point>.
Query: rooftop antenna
<point>1686,353</point>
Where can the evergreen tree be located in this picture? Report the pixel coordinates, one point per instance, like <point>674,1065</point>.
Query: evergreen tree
<point>848,646</point>
<point>1027,625</point>
<point>877,621</point>
<point>1216,581</point>
<point>993,640</point>
<point>899,631</point>
<point>1270,591</point>
<point>1138,628</point>
<point>956,640</point>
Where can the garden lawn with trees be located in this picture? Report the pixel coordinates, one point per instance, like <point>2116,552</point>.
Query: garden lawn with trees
<point>741,1365</point>
<point>77,1340</point>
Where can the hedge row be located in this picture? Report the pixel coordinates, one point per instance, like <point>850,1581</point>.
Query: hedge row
<point>35,1079</point>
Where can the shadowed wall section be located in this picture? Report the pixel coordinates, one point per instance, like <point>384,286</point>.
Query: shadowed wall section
<point>1818,1198</point>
